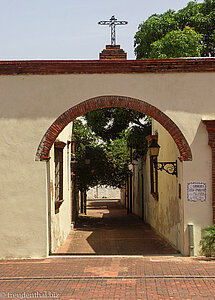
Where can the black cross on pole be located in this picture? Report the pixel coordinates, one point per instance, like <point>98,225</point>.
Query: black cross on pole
<point>112,23</point>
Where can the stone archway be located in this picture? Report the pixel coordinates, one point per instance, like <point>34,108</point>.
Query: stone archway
<point>112,101</point>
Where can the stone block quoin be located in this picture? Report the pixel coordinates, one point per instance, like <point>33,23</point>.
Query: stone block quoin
<point>112,101</point>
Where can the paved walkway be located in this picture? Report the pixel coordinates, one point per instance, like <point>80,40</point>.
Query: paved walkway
<point>109,230</point>
<point>108,278</point>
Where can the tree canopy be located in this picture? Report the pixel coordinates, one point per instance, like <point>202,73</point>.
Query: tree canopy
<point>193,26</point>
<point>98,162</point>
<point>108,123</point>
<point>177,43</point>
<point>102,145</point>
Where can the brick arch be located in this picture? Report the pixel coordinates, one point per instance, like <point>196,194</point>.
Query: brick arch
<point>112,101</point>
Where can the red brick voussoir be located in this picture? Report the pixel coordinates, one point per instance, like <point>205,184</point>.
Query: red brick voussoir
<point>112,101</point>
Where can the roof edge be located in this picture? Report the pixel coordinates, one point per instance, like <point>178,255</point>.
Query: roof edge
<point>48,67</point>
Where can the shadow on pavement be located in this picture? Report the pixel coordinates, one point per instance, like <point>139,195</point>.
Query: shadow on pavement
<point>107,229</point>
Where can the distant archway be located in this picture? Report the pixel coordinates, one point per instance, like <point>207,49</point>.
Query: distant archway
<point>112,101</point>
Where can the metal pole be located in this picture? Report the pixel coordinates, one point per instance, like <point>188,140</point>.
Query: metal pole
<point>82,202</point>
<point>113,34</point>
<point>73,183</point>
<point>191,239</point>
<point>85,202</point>
<point>131,194</point>
<point>142,183</point>
<point>127,194</point>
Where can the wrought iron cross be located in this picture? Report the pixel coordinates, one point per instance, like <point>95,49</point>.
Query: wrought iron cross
<point>112,23</point>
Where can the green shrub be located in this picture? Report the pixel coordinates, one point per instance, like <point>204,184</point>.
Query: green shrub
<point>207,243</point>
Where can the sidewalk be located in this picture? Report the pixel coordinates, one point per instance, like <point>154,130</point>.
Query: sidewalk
<point>108,278</point>
<point>166,275</point>
<point>109,230</point>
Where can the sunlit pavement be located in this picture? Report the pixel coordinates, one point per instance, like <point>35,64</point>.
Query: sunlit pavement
<point>109,230</point>
<point>164,277</point>
<point>113,276</point>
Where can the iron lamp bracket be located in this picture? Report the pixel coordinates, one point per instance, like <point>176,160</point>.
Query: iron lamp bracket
<point>168,167</point>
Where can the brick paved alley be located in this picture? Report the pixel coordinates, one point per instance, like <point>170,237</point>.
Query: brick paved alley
<point>108,278</point>
<point>109,230</point>
<point>131,275</point>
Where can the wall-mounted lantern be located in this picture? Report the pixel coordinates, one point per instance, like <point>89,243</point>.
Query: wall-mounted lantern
<point>168,167</point>
<point>154,148</point>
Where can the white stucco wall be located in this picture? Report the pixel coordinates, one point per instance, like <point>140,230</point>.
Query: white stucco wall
<point>99,192</point>
<point>23,217</point>
<point>31,103</point>
<point>165,215</point>
<point>199,170</point>
<point>137,202</point>
<point>60,224</point>
<point>169,213</point>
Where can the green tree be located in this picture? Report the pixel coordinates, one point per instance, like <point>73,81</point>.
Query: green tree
<point>136,139</point>
<point>104,138</point>
<point>198,16</point>
<point>108,123</point>
<point>118,156</point>
<point>99,162</point>
<point>177,43</point>
<point>153,29</point>
<point>88,148</point>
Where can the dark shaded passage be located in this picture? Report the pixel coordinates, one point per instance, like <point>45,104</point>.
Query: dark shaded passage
<point>109,230</point>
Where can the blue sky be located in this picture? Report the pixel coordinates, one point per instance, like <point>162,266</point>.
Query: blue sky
<point>68,29</point>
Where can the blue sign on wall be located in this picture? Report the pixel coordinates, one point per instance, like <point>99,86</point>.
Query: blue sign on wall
<point>196,191</point>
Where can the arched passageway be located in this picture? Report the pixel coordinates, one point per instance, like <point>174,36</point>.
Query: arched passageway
<point>112,101</point>
<point>135,200</point>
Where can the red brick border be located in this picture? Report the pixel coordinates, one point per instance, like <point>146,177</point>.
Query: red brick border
<point>112,101</point>
<point>51,67</point>
<point>113,52</point>
<point>210,125</point>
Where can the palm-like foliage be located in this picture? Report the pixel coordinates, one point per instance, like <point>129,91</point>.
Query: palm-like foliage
<point>207,243</point>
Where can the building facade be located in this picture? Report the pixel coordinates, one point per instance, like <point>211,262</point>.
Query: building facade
<point>40,99</point>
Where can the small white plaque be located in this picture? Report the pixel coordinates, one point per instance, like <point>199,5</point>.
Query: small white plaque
<point>196,191</point>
